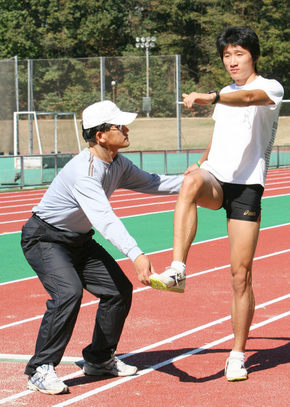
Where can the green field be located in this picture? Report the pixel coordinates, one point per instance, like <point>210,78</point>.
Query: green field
<point>153,232</point>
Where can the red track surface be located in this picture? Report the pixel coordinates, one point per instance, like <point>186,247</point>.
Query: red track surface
<point>194,326</point>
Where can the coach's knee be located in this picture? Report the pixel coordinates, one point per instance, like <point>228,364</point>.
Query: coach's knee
<point>71,296</point>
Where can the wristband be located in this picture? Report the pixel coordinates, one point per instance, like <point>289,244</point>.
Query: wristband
<point>217,97</point>
<point>198,163</point>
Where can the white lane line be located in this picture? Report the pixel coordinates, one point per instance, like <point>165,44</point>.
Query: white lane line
<point>164,363</point>
<point>17,206</point>
<point>13,213</point>
<point>274,189</point>
<point>25,358</point>
<point>146,204</point>
<point>20,200</point>
<point>160,343</point>
<point>277,182</point>
<point>12,324</point>
<point>13,221</point>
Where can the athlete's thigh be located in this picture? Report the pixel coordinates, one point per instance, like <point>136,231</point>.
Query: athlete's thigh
<point>243,238</point>
<point>211,193</point>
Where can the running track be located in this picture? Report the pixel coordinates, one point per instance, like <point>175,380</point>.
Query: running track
<point>179,342</point>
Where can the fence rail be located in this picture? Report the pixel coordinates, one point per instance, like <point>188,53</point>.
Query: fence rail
<point>24,171</point>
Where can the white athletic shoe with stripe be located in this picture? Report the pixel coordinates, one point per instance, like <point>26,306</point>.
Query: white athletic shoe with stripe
<point>235,370</point>
<point>46,381</point>
<point>171,280</point>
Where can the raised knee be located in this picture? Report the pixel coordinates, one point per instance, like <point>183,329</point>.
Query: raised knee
<point>191,184</point>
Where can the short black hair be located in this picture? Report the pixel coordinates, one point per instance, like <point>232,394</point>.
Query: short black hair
<point>90,134</point>
<point>239,35</point>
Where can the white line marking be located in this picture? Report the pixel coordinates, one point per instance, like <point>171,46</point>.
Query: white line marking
<point>274,189</point>
<point>13,213</point>
<point>142,205</point>
<point>164,363</point>
<point>12,324</point>
<point>16,206</point>
<point>161,364</point>
<point>20,200</point>
<point>13,221</point>
<point>14,356</point>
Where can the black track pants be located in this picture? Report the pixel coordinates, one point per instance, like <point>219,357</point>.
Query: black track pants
<point>66,263</point>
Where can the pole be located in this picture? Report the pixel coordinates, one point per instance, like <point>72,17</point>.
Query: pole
<point>147,75</point>
<point>30,104</point>
<point>102,77</point>
<point>178,104</point>
<point>16,84</point>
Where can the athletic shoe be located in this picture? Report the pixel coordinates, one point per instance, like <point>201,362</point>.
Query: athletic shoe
<point>46,381</point>
<point>235,370</point>
<point>170,280</point>
<point>113,367</point>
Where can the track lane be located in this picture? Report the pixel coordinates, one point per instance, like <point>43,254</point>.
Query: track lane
<point>182,375</point>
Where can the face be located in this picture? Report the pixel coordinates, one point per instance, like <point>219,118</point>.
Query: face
<point>115,138</point>
<point>239,64</point>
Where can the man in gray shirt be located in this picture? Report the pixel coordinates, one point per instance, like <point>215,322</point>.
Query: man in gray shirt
<point>57,242</point>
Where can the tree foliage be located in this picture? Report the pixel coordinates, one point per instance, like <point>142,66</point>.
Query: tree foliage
<point>53,29</point>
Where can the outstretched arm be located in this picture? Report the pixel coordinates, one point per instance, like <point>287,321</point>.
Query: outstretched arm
<point>255,97</point>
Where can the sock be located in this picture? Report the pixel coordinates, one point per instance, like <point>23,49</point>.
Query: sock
<point>238,355</point>
<point>178,265</point>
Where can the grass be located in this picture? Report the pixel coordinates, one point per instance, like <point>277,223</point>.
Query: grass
<point>145,134</point>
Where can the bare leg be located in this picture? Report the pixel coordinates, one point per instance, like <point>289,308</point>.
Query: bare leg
<point>198,188</point>
<point>243,237</point>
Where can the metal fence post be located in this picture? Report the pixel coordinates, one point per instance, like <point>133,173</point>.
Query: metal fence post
<point>22,171</point>
<point>141,160</point>
<point>178,106</point>
<point>16,84</point>
<point>30,103</point>
<point>102,78</point>
<point>165,162</point>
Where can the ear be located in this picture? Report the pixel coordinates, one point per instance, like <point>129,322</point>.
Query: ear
<point>99,136</point>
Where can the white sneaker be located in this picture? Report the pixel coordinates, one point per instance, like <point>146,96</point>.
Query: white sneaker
<point>170,280</point>
<point>235,370</point>
<point>113,366</point>
<point>46,381</point>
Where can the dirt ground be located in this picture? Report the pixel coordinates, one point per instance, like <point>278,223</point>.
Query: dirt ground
<point>145,134</point>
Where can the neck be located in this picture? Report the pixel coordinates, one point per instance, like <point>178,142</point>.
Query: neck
<point>250,79</point>
<point>102,153</point>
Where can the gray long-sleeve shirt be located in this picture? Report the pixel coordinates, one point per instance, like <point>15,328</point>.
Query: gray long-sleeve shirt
<point>78,197</point>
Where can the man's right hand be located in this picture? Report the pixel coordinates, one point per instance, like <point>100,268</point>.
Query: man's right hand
<point>143,268</point>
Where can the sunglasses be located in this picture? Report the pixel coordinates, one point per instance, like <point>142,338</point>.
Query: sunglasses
<point>118,127</point>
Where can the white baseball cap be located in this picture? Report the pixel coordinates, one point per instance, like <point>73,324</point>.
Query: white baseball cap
<point>105,112</point>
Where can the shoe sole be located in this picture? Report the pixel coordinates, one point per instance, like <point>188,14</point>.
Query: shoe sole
<point>31,386</point>
<point>236,379</point>
<point>159,285</point>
